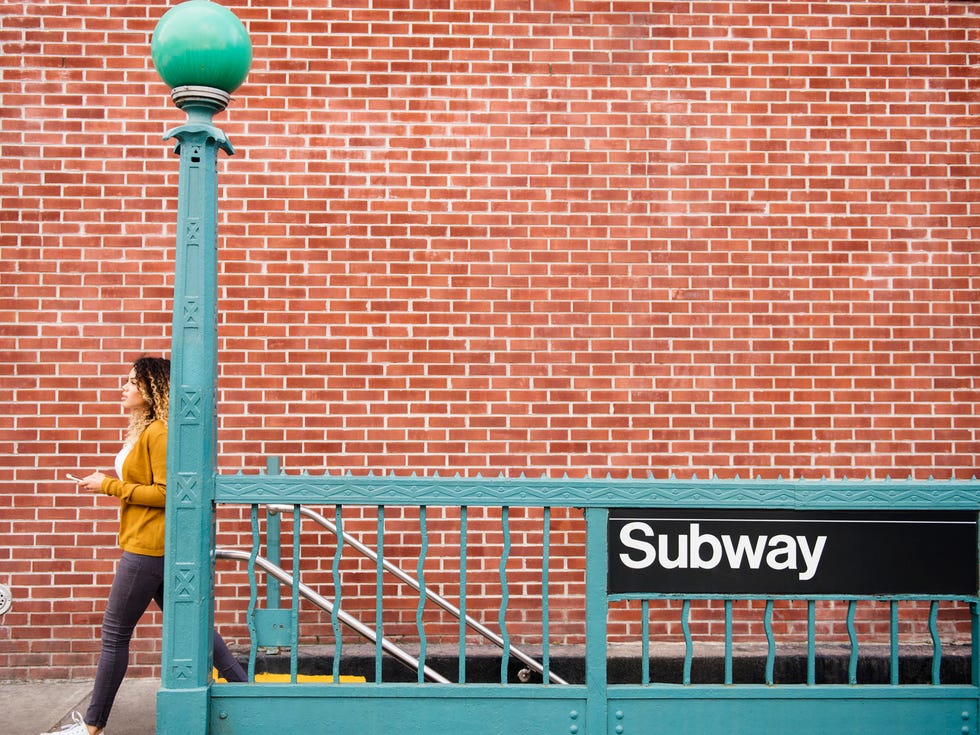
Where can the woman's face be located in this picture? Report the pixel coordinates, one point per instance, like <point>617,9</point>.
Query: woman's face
<point>131,397</point>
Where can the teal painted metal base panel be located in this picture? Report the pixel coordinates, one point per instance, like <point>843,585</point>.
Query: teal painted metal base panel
<point>868,710</point>
<point>183,711</point>
<point>367,709</point>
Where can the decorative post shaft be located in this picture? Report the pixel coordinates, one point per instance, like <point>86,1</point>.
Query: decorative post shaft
<point>192,448</point>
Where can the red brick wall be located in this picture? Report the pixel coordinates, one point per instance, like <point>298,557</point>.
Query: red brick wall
<point>626,237</point>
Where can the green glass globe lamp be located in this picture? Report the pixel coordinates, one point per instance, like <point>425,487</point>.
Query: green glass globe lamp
<point>203,53</point>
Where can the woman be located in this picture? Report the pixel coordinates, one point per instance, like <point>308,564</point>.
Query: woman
<point>141,468</point>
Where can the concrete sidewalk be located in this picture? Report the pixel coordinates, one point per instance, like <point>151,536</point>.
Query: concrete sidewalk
<point>30,708</point>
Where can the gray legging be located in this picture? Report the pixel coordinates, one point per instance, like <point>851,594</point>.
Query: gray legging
<point>139,579</point>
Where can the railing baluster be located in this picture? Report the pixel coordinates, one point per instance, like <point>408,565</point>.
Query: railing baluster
<point>937,646</point>
<point>253,593</point>
<point>420,576</point>
<point>688,642</point>
<point>645,633</point>
<point>975,644</point>
<point>273,547</point>
<point>294,614</point>
<point>273,543</point>
<point>337,593</point>
<point>811,642</point>
<point>893,640</point>
<point>379,595</point>
<point>463,532</point>
<point>545,594</point>
<point>852,665</point>
<point>504,594</point>
<point>728,642</point>
<point>771,642</point>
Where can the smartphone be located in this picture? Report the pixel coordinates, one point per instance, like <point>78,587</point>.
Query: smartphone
<point>73,478</point>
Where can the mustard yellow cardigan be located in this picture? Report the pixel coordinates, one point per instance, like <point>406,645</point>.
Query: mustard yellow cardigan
<point>142,492</point>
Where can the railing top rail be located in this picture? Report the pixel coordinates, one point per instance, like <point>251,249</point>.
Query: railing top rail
<point>437,490</point>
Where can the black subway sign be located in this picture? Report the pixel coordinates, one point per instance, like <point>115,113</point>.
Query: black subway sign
<point>777,552</point>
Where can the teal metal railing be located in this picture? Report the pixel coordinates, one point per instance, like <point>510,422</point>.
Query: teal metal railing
<point>441,490</point>
<point>383,566</point>
<point>276,573</point>
<point>596,702</point>
<point>284,630</point>
<point>888,651</point>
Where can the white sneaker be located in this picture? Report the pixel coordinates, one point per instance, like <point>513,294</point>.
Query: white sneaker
<point>78,727</point>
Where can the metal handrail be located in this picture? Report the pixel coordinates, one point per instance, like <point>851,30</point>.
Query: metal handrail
<point>414,584</point>
<point>325,604</point>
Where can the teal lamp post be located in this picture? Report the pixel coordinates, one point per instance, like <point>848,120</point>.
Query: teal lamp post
<point>202,52</point>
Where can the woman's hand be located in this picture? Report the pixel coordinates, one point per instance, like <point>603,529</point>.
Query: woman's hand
<point>92,483</point>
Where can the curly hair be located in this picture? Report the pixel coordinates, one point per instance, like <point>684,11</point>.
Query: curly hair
<point>153,382</point>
